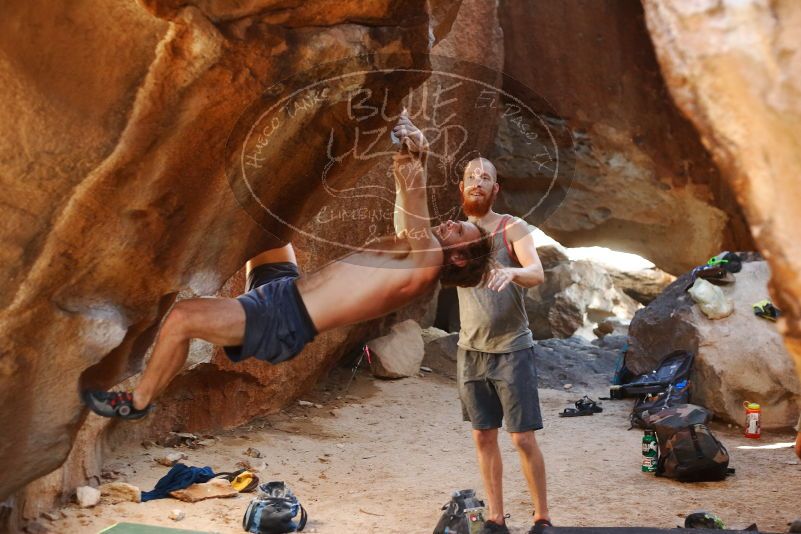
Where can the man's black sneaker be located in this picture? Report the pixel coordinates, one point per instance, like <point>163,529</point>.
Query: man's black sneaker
<point>490,527</point>
<point>539,526</point>
<point>113,404</point>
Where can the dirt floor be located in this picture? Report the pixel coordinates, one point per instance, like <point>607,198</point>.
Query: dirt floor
<point>385,455</point>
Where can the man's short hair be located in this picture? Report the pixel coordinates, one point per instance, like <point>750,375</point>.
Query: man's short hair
<point>479,258</point>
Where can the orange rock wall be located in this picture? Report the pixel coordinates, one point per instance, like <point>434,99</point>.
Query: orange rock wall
<point>114,156</point>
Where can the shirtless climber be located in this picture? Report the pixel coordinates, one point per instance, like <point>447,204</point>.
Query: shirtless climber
<point>281,311</point>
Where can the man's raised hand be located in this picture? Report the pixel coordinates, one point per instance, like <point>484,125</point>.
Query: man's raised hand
<point>410,135</point>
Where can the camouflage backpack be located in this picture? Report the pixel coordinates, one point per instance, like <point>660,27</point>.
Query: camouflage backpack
<point>693,454</point>
<point>670,420</point>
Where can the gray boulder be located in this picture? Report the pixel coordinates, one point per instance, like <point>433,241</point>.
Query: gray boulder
<point>738,358</point>
<point>575,296</point>
<point>574,361</point>
<point>399,353</point>
<point>440,351</point>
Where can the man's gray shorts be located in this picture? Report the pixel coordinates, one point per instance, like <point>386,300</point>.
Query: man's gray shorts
<point>497,386</point>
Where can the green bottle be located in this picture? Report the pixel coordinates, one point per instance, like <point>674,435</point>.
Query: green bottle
<point>650,449</point>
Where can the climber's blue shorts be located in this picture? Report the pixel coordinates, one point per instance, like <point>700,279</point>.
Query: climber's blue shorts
<point>277,324</point>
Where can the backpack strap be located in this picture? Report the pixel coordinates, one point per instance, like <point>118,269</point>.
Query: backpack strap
<point>303,517</point>
<point>698,452</point>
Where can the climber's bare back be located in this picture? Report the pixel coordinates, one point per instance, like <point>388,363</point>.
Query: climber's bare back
<point>370,283</point>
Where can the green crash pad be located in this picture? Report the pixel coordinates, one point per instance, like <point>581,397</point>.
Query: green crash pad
<point>137,528</point>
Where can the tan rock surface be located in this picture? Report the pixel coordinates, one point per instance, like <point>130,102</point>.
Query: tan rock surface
<point>134,206</point>
<point>735,70</point>
<point>642,181</point>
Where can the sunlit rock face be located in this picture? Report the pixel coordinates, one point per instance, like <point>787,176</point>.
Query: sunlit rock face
<point>115,173</point>
<point>734,68</point>
<point>641,180</point>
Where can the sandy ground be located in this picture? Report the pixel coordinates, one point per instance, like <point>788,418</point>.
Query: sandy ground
<point>383,458</point>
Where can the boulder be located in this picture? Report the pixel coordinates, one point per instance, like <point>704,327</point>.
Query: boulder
<point>574,297</point>
<point>643,285</point>
<point>87,496</point>
<point>574,361</point>
<point>399,353</point>
<point>440,351</point>
<point>733,69</point>
<point>738,358</point>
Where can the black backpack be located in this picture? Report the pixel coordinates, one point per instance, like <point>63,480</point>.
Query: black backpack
<point>460,512</point>
<point>666,386</point>
<point>274,511</point>
<point>693,454</point>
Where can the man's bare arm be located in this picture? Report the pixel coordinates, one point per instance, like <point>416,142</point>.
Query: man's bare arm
<point>410,179</point>
<point>531,273</point>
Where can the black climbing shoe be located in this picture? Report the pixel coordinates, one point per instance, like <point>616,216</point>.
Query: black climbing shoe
<point>490,527</point>
<point>113,404</point>
<point>540,526</point>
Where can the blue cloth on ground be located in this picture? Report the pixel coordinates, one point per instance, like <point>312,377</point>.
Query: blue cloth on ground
<point>179,476</point>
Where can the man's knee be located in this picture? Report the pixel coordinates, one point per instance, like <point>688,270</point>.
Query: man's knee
<point>524,441</point>
<point>485,438</point>
<point>180,320</point>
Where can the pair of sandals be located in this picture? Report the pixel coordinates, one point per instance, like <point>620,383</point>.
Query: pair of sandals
<point>584,406</point>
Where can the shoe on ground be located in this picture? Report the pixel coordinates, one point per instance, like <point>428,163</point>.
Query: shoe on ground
<point>490,527</point>
<point>113,404</point>
<point>539,526</point>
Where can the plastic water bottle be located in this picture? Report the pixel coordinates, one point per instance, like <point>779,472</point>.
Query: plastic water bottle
<point>752,414</point>
<point>650,449</point>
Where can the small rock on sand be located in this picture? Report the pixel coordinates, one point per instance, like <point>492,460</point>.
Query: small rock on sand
<point>171,459</point>
<point>177,515</point>
<point>253,453</point>
<point>87,496</point>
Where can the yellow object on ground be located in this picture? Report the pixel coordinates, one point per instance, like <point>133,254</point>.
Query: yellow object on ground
<point>242,480</point>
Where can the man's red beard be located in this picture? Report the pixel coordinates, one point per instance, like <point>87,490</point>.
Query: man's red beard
<point>477,206</point>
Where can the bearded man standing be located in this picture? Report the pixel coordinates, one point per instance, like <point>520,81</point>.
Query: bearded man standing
<point>495,362</point>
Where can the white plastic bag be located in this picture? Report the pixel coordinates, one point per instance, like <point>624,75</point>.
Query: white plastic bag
<point>710,299</point>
